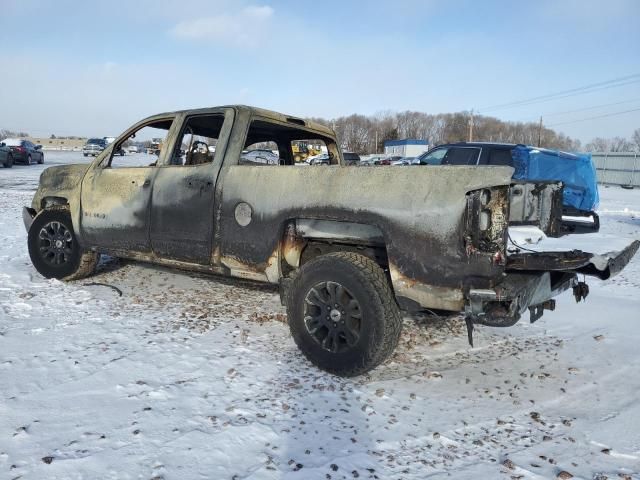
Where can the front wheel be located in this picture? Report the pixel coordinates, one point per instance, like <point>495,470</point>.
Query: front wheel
<point>342,313</point>
<point>29,160</point>
<point>41,161</point>
<point>54,248</point>
<point>9,162</point>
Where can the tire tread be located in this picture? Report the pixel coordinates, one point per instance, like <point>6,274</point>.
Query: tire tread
<point>88,259</point>
<point>390,336</point>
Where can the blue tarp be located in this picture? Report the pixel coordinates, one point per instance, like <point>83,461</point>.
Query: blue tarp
<point>576,171</point>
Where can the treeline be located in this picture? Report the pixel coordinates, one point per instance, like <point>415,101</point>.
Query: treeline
<point>615,144</point>
<point>367,134</point>
<point>4,133</point>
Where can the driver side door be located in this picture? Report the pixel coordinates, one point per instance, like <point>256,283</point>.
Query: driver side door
<point>182,203</point>
<point>116,191</point>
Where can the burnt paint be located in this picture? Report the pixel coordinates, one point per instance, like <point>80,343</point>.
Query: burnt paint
<point>420,213</point>
<point>181,216</point>
<point>115,207</point>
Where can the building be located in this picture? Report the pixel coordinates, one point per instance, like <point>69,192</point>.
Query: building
<point>409,147</point>
<point>71,143</point>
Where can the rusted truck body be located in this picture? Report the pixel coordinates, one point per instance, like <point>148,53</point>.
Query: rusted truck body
<point>363,242</point>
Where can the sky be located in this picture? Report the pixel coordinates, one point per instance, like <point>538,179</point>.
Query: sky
<point>93,68</point>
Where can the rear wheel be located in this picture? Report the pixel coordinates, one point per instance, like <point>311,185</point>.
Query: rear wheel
<point>342,313</point>
<point>54,248</point>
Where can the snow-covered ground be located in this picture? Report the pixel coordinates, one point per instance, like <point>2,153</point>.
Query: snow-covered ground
<point>187,376</point>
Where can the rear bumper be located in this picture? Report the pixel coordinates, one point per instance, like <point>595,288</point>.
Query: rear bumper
<point>602,266</point>
<point>533,279</point>
<point>504,305</point>
<point>28,214</point>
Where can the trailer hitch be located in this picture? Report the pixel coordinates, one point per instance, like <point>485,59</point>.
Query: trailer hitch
<point>580,291</point>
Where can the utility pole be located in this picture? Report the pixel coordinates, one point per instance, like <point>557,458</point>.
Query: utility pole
<point>376,149</point>
<point>471,126</point>
<point>540,132</point>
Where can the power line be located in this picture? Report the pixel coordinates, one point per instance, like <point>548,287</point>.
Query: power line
<point>554,114</point>
<point>592,108</point>
<point>597,116</point>
<point>616,82</point>
<point>559,97</point>
<point>578,90</point>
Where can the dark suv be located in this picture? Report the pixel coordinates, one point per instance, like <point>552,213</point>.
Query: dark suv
<point>575,171</point>
<point>351,158</point>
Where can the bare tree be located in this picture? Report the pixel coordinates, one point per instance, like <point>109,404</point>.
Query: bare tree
<point>360,133</point>
<point>4,133</point>
<point>615,144</point>
<point>636,138</point>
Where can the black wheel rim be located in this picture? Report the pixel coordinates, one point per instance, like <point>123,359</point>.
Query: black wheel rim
<point>333,317</point>
<point>55,243</point>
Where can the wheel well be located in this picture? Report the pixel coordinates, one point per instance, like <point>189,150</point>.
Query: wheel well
<point>305,239</point>
<point>50,202</point>
<point>314,248</point>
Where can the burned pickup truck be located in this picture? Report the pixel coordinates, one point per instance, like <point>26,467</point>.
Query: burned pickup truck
<point>350,247</point>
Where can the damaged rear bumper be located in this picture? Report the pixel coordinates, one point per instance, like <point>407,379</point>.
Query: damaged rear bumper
<point>602,266</point>
<point>504,305</point>
<point>533,279</point>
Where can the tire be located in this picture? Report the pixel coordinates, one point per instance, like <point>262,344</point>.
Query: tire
<point>41,161</point>
<point>364,333</point>
<point>85,154</point>
<point>29,160</point>
<point>9,162</point>
<point>65,260</point>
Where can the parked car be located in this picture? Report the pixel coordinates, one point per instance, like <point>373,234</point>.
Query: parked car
<point>322,159</point>
<point>120,150</point>
<point>405,161</point>
<point>260,156</point>
<point>575,171</point>
<point>348,247</point>
<point>387,160</point>
<point>351,158</point>
<point>94,147</point>
<point>23,151</point>
<point>370,160</point>
<point>6,157</point>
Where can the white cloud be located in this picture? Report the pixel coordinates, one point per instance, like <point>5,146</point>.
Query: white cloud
<point>245,28</point>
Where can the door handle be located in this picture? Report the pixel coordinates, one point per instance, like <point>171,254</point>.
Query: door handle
<point>146,183</point>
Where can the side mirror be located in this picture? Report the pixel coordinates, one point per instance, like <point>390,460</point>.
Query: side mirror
<point>2,144</point>
<point>38,147</point>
